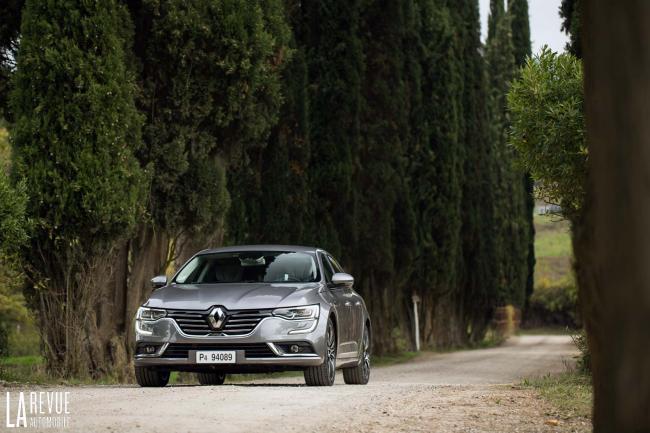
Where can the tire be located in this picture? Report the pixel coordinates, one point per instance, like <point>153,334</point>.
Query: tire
<point>211,378</point>
<point>148,377</point>
<point>324,374</point>
<point>360,375</point>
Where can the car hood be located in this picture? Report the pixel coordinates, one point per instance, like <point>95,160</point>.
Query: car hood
<point>233,296</point>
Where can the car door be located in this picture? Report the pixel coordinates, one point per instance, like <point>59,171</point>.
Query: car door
<point>343,311</point>
<point>351,301</point>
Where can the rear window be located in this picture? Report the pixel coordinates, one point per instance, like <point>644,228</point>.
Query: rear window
<point>250,267</point>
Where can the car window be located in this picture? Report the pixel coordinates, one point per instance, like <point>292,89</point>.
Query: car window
<point>327,268</point>
<point>335,265</point>
<point>250,267</point>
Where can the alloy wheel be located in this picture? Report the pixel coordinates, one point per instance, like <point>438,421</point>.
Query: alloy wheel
<point>366,355</point>
<point>331,352</point>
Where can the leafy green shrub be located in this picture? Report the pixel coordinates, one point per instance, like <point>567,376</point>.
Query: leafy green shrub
<point>584,359</point>
<point>546,109</point>
<point>553,305</point>
<point>4,340</point>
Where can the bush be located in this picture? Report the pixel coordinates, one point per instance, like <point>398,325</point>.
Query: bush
<point>553,305</point>
<point>584,359</point>
<point>546,109</point>
<point>4,340</point>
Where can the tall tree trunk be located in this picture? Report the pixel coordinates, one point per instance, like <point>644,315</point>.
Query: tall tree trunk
<point>147,258</point>
<point>617,295</point>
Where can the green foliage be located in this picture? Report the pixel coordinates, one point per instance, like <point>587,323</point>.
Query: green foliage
<point>518,11</point>
<point>519,23</point>
<point>571,13</point>
<point>285,164</point>
<point>554,244</point>
<point>219,97</point>
<point>10,14</point>
<point>13,236</point>
<point>76,128</point>
<point>548,127</point>
<point>330,34</point>
<point>253,192</point>
<point>13,226</point>
<point>76,125</point>
<point>556,299</point>
<point>584,359</point>
<point>479,280</point>
<point>437,156</point>
<point>571,392</point>
<point>384,220</point>
<point>511,210</point>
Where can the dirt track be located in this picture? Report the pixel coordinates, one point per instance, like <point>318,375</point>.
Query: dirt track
<point>468,391</point>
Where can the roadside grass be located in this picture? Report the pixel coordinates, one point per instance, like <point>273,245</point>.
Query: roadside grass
<point>570,393</point>
<point>30,369</point>
<point>553,251</point>
<point>24,369</point>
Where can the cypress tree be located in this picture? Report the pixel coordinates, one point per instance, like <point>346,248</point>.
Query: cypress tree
<point>10,15</point>
<point>509,203</point>
<point>436,176</point>
<point>285,167</point>
<point>520,28</point>
<point>218,98</point>
<point>283,195</point>
<point>518,10</point>
<point>247,183</point>
<point>75,131</point>
<point>384,219</point>
<point>330,37</point>
<point>478,262</point>
<point>571,14</point>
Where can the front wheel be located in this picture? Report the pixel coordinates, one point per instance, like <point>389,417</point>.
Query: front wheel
<point>211,378</point>
<point>324,374</point>
<point>149,377</point>
<point>360,375</point>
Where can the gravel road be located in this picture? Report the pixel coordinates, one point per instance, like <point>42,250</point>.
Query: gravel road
<point>466,391</point>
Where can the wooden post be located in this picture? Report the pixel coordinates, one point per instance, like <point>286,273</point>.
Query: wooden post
<point>416,301</point>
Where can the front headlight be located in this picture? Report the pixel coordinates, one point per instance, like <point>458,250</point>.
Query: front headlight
<point>145,313</point>
<point>144,319</point>
<point>298,313</point>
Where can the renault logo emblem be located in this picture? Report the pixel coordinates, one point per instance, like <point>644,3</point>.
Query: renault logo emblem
<point>216,318</point>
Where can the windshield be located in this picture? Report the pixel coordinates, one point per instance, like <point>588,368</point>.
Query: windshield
<point>250,267</point>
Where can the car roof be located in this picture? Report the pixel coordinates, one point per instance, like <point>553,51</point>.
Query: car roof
<point>237,248</point>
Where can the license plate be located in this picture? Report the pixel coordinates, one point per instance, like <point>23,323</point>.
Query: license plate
<point>215,357</point>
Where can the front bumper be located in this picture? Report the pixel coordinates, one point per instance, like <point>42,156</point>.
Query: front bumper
<point>262,347</point>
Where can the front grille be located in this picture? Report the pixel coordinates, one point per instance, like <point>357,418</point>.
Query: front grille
<point>191,322</point>
<point>237,322</point>
<point>251,350</point>
<point>243,322</point>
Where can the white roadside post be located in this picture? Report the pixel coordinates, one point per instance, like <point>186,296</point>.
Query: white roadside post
<point>416,301</point>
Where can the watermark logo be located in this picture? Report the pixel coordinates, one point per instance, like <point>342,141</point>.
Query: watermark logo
<point>40,409</point>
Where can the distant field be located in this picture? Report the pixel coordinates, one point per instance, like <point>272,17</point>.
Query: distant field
<point>553,251</point>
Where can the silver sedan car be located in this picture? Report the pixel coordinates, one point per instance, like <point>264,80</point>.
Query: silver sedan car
<point>254,309</point>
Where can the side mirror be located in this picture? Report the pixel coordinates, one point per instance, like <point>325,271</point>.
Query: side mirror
<point>159,281</point>
<point>342,279</point>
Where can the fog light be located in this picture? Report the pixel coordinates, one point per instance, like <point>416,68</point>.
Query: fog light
<point>294,348</point>
<point>150,349</point>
